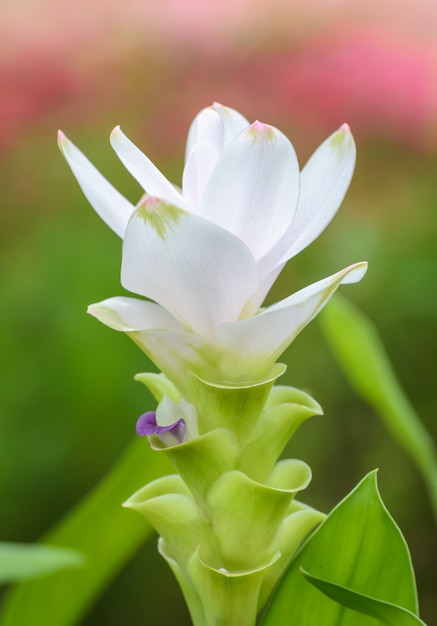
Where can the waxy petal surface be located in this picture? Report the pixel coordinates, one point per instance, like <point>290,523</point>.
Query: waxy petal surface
<point>198,271</point>
<point>261,339</point>
<point>200,163</point>
<point>233,121</point>
<point>111,206</point>
<point>174,353</point>
<point>324,182</point>
<point>131,314</point>
<point>143,170</point>
<point>216,125</point>
<point>211,131</point>
<point>254,188</point>
<point>266,281</point>
<point>156,332</point>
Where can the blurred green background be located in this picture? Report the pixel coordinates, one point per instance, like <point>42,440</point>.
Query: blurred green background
<point>67,396</point>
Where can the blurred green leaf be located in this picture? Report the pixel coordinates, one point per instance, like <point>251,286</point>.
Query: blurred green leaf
<point>99,528</point>
<point>387,613</point>
<point>20,561</point>
<point>360,352</point>
<point>358,546</point>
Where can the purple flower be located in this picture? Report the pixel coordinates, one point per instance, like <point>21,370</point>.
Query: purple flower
<point>171,434</point>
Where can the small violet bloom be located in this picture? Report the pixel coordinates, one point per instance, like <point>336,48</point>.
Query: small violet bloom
<point>206,255</point>
<point>169,435</point>
<point>173,422</point>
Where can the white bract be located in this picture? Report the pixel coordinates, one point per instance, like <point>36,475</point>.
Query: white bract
<point>208,254</point>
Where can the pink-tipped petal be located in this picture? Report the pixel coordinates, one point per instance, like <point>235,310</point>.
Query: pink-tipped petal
<point>254,188</point>
<point>217,125</point>
<point>143,170</point>
<point>323,185</point>
<point>198,271</point>
<point>260,340</point>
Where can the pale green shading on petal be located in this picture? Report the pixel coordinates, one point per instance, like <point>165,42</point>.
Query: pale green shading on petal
<point>174,353</point>
<point>258,341</point>
<point>253,190</point>
<point>261,132</point>
<point>198,271</point>
<point>131,314</point>
<point>163,218</point>
<point>324,182</point>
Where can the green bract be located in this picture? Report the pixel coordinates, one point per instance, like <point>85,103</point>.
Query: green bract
<point>228,520</point>
<point>203,259</point>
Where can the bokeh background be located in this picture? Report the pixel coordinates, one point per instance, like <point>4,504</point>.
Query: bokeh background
<point>68,402</point>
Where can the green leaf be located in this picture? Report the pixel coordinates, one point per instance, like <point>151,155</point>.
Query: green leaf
<point>19,561</point>
<point>358,546</point>
<point>100,529</point>
<point>360,352</point>
<point>387,613</point>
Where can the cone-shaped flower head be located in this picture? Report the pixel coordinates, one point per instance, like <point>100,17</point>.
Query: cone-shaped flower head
<point>207,255</point>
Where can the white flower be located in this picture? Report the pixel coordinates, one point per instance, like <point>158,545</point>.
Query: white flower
<point>208,254</point>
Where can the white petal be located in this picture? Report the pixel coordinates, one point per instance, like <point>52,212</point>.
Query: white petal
<point>254,188</point>
<point>112,207</point>
<point>174,353</point>
<point>211,131</point>
<point>157,333</point>
<point>206,128</point>
<point>198,271</point>
<point>143,170</point>
<point>217,125</point>
<point>233,121</point>
<point>266,282</point>
<point>257,342</point>
<point>324,182</point>
<point>198,168</point>
<point>131,314</point>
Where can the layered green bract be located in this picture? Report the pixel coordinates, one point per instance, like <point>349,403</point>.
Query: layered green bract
<point>229,521</point>
<point>203,259</point>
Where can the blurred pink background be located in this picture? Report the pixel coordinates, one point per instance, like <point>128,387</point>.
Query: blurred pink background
<point>151,65</point>
<point>374,64</point>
